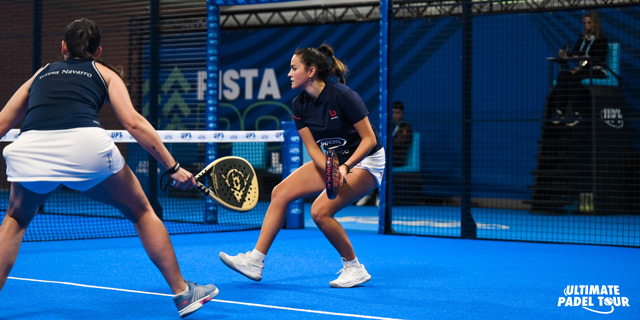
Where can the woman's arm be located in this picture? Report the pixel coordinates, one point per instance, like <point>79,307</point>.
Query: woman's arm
<point>317,156</point>
<point>139,127</point>
<point>575,51</point>
<point>364,129</point>
<point>599,51</point>
<point>15,109</point>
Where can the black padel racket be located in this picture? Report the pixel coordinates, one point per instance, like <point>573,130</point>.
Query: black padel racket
<point>332,174</point>
<point>232,183</point>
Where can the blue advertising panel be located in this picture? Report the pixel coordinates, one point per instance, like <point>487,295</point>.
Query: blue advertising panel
<point>254,91</point>
<point>292,160</point>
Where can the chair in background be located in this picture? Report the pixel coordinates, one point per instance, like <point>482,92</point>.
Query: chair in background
<point>612,68</point>
<point>413,156</point>
<point>584,163</point>
<point>407,180</point>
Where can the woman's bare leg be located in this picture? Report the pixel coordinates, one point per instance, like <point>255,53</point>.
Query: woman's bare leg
<point>359,183</point>
<point>123,191</point>
<point>23,205</point>
<point>305,181</point>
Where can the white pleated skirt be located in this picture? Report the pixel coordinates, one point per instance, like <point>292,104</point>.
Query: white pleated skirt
<point>79,157</point>
<point>374,164</point>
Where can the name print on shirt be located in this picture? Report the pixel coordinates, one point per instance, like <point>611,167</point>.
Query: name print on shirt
<point>66,71</point>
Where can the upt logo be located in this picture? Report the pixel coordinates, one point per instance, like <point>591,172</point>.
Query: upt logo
<point>595,298</point>
<point>117,135</point>
<point>186,136</point>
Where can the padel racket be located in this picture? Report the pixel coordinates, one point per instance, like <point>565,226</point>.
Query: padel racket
<point>332,174</point>
<point>232,183</point>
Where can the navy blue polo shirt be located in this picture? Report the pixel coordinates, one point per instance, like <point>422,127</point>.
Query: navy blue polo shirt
<point>331,117</point>
<point>64,95</point>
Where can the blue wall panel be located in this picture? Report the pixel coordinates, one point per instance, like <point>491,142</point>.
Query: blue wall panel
<point>510,81</point>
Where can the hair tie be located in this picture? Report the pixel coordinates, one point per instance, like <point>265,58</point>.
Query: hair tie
<point>326,54</point>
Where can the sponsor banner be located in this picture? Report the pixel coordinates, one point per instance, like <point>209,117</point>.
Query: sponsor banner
<point>176,136</point>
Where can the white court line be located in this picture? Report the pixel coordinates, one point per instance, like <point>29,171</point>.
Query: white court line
<point>216,300</point>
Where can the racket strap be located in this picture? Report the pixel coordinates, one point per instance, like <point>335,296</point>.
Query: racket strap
<point>168,173</point>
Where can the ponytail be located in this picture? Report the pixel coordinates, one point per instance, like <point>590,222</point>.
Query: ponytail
<point>336,67</point>
<point>325,62</point>
<point>83,39</point>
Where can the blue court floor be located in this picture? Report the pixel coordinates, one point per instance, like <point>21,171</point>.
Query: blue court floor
<point>413,278</point>
<point>497,224</point>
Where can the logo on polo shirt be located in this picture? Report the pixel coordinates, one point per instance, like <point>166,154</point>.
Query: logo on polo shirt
<point>331,143</point>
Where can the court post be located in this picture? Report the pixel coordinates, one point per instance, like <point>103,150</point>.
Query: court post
<point>211,97</point>
<point>384,211</point>
<point>468,227</point>
<point>37,36</point>
<point>154,75</point>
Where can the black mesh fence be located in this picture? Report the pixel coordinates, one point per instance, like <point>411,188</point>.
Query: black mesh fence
<point>510,138</point>
<point>534,144</point>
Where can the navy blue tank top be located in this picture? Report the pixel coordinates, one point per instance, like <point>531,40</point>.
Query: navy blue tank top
<point>331,117</point>
<point>66,94</point>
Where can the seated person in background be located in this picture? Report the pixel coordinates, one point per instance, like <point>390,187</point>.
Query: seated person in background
<point>592,45</point>
<point>402,139</point>
<point>402,135</point>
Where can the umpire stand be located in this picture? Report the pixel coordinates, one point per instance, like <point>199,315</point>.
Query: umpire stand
<point>586,163</point>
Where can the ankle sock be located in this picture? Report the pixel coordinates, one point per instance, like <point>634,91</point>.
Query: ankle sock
<point>352,263</point>
<point>183,292</point>
<point>257,256</point>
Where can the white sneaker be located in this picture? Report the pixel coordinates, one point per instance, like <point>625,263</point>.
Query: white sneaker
<point>243,265</point>
<point>350,276</point>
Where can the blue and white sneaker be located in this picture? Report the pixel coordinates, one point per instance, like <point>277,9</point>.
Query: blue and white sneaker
<point>192,300</point>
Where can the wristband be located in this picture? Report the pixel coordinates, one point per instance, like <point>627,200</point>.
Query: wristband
<point>173,169</point>
<point>348,169</point>
<point>169,172</point>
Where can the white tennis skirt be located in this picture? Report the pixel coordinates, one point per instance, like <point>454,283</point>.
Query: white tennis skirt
<point>374,164</point>
<point>79,158</point>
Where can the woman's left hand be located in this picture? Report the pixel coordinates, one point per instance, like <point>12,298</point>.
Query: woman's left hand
<point>343,174</point>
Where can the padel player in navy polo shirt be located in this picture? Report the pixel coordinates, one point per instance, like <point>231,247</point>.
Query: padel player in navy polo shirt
<point>327,115</point>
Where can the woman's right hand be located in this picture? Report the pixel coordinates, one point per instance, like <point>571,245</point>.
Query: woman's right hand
<point>183,179</point>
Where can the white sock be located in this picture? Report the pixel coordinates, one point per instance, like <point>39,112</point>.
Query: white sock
<point>257,256</point>
<point>183,292</point>
<point>352,263</point>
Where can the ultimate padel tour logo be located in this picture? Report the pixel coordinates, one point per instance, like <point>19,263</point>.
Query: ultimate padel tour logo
<point>601,299</point>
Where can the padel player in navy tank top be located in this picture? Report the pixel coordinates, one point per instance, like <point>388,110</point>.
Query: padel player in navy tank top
<point>62,143</point>
<point>65,94</point>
